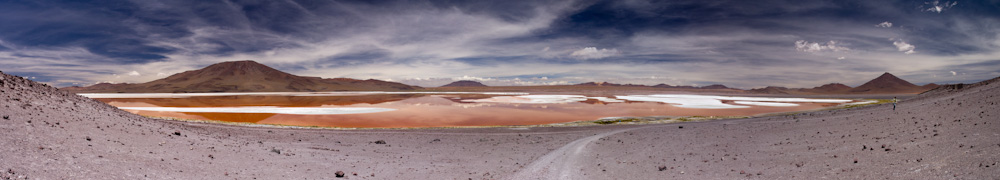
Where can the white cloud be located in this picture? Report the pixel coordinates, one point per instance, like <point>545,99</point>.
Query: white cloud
<point>594,53</point>
<point>937,6</point>
<point>953,73</point>
<point>806,46</point>
<point>904,47</point>
<point>161,74</point>
<point>472,78</point>
<point>841,58</point>
<point>134,73</point>
<point>886,24</point>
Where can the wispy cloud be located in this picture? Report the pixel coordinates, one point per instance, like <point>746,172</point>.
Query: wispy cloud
<point>938,7</point>
<point>906,48</point>
<point>429,43</point>
<point>886,24</point>
<point>806,46</point>
<point>594,53</point>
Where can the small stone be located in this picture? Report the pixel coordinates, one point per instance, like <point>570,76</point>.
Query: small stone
<point>339,174</point>
<point>662,168</point>
<point>380,142</point>
<point>177,133</point>
<point>680,127</point>
<point>6,117</point>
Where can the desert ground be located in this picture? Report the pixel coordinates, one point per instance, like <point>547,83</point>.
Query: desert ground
<point>947,133</point>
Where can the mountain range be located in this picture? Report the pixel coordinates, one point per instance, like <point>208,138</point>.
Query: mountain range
<point>884,84</point>
<point>464,83</point>
<point>250,76</point>
<point>243,76</point>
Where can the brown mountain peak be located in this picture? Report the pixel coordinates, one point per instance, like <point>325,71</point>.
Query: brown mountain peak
<point>887,84</point>
<point>889,79</point>
<point>241,68</point>
<point>833,86</point>
<point>246,76</point>
<point>464,83</point>
<point>715,86</point>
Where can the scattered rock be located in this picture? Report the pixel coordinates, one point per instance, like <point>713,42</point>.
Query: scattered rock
<point>177,133</point>
<point>88,138</point>
<point>339,174</point>
<point>680,127</point>
<point>6,117</point>
<point>380,142</point>
<point>662,168</point>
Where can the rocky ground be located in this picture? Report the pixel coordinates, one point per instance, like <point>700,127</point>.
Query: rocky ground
<point>954,133</point>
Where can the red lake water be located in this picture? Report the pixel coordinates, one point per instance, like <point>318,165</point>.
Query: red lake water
<point>401,110</point>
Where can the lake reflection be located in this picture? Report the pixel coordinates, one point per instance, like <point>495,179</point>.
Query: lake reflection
<point>429,110</point>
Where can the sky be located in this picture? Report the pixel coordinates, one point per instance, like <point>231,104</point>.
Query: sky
<point>743,44</point>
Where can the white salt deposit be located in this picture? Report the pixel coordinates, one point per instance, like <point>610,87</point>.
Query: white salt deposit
<point>684,101</point>
<point>715,102</point>
<point>775,104</point>
<point>267,109</point>
<point>541,99</point>
<point>532,99</point>
<point>732,98</point>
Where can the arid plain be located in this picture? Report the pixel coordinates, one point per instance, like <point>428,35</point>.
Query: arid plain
<point>949,132</point>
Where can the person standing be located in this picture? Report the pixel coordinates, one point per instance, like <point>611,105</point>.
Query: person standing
<point>894,103</point>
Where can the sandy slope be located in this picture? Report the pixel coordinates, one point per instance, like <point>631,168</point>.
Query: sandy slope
<point>50,134</point>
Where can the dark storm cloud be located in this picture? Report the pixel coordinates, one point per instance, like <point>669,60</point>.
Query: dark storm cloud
<point>96,27</point>
<point>742,43</point>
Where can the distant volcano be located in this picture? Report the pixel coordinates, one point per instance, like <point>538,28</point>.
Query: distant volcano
<point>244,76</point>
<point>885,84</point>
<point>464,83</point>
<point>889,84</point>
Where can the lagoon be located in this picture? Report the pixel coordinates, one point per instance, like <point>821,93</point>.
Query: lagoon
<point>442,109</point>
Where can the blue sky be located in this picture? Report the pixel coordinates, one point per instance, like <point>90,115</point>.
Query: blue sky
<point>744,44</point>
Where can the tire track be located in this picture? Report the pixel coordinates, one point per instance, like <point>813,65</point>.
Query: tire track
<point>563,163</point>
